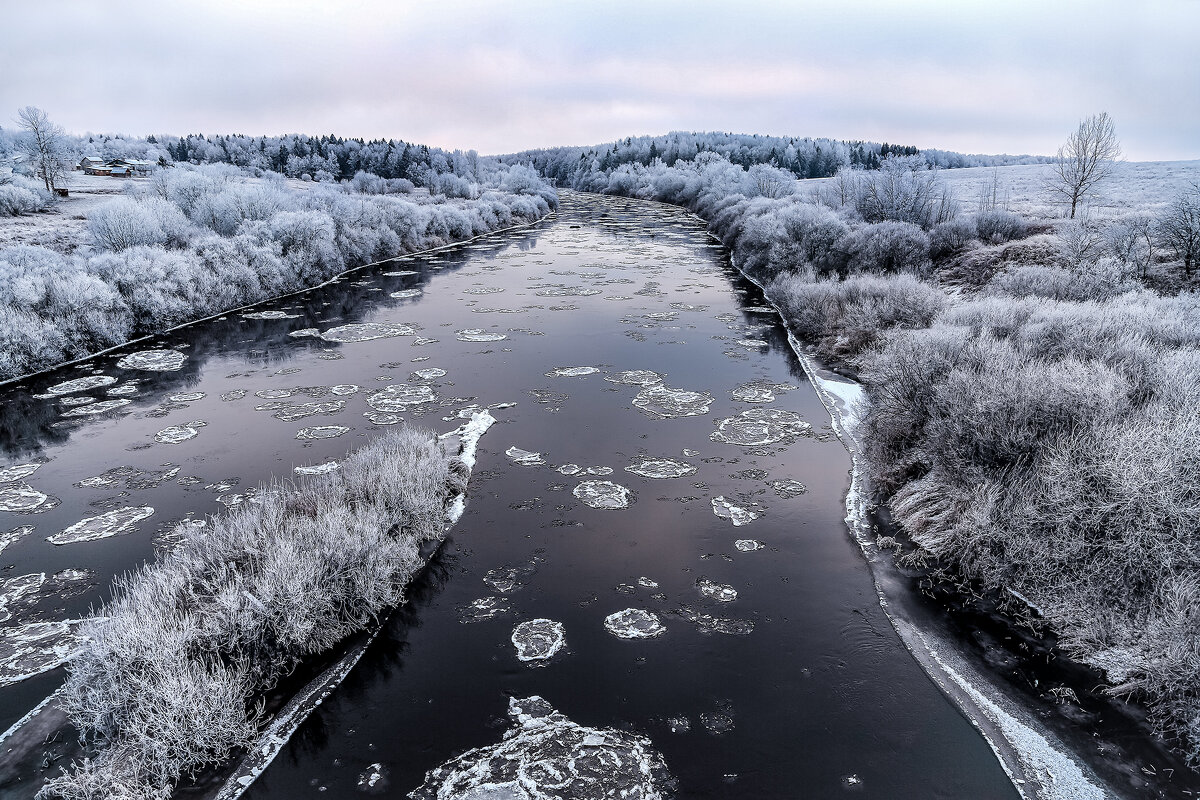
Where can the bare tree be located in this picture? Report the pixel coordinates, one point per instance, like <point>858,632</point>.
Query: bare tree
<point>1086,159</point>
<point>46,145</point>
<point>1179,225</point>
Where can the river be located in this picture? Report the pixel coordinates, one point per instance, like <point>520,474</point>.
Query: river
<point>615,345</point>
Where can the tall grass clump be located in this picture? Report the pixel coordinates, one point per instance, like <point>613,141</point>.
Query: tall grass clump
<point>171,672</point>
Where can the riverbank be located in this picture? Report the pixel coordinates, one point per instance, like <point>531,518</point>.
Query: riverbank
<point>1041,763</point>
<point>385,503</point>
<point>192,243</point>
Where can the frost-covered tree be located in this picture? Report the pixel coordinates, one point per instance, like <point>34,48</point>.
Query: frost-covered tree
<point>46,145</point>
<point>1085,159</point>
<point>1180,226</point>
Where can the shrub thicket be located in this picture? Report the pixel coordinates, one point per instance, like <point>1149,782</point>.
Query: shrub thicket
<point>169,677</point>
<point>189,243</point>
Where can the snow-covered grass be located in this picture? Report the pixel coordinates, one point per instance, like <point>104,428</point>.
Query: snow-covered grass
<point>172,668</point>
<point>187,243</point>
<point>1032,419</point>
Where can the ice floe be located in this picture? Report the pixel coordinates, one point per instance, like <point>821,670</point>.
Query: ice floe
<point>364,332</point>
<point>661,468</point>
<point>110,523</point>
<point>154,360</point>
<point>97,408</point>
<point>28,650</point>
<point>432,373</point>
<point>760,426</point>
<point>479,335</point>
<point>526,458</point>
<point>737,515</point>
<point>549,757</point>
<point>15,535</point>
<point>305,332</point>
<point>124,389</point>
<point>752,393</point>
<point>373,779</point>
<point>603,494</point>
<point>477,290</point>
<point>708,623</point>
<point>344,389</point>
<point>634,623</point>
<point>269,315</point>
<point>406,293</point>
<point>16,472</point>
<point>318,469</point>
<point>13,590</point>
<point>538,639</point>
<point>399,396</point>
<point>788,488</point>
<point>321,432</point>
<point>663,402</point>
<point>483,609</point>
<point>567,291</point>
<point>24,498</point>
<point>291,413</point>
<point>721,592</point>
<point>716,722</point>
<point>679,724</point>
<point>186,397</point>
<point>79,385</point>
<point>77,400</point>
<point>571,372</point>
<point>748,545</point>
<point>179,433</point>
<point>635,377</point>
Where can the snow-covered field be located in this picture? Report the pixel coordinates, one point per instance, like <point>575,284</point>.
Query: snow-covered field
<point>64,229</point>
<point>1144,186</point>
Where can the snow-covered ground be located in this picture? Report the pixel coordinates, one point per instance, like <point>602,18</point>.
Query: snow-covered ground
<point>1145,186</point>
<point>64,228</point>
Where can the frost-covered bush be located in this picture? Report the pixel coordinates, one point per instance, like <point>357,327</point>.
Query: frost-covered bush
<point>15,201</point>
<point>1044,447</point>
<point>998,226</point>
<point>123,223</point>
<point>451,185</point>
<point>887,247</point>
<point>1130,240</point>
<point>1103,280</point>
<point>844,319</point>
<point>904,189</point>
<point>171,670</point>
<point>1179,226</point>
<point>952,236</point>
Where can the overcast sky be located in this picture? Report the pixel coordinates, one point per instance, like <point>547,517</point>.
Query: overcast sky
<point>979,77</point>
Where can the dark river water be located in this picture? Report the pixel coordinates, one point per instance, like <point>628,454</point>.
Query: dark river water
<point>777,675</point>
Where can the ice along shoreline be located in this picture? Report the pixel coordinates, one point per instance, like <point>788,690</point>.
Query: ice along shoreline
<point>1039,765</point>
